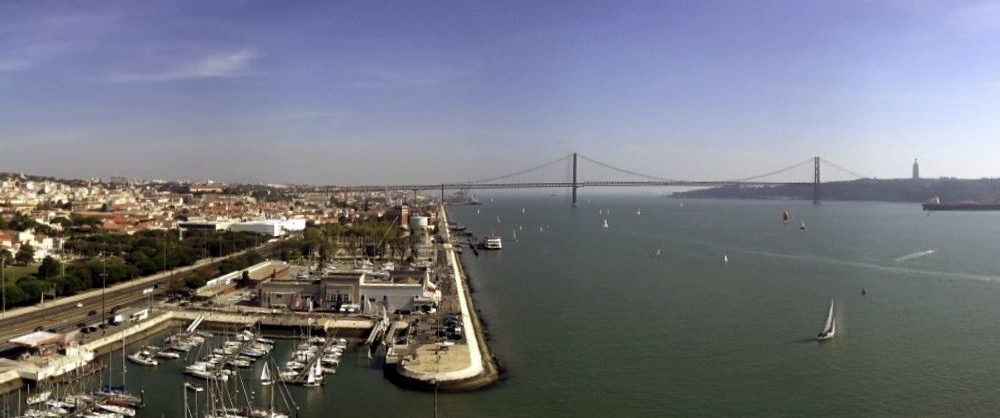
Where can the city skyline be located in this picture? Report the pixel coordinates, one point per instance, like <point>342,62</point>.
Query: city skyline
<point>345,93</point>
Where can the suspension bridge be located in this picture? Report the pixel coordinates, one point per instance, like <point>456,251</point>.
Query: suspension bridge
<point>576,171</point>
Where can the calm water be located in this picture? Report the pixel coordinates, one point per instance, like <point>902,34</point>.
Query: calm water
<point>590,323</point>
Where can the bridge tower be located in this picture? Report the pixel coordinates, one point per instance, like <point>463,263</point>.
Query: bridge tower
<point>815,180</point>
<point>442,193</point>
<point>574,180</point>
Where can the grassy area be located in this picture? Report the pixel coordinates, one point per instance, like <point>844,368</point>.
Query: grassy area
<point>12,273</point>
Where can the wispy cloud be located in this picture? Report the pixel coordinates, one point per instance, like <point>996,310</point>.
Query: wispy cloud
<point>215,65</point>
<point>11,65</point>
<point>407,77</point>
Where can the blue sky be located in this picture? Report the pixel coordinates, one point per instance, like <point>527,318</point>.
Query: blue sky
<point>368,91</point>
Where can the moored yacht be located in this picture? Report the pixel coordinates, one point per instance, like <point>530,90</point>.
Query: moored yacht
<point>492,242</point>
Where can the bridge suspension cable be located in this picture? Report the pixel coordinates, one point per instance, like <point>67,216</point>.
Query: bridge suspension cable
<point>773,173</point>
<point>622,170</point>
<point>845,170</point>
<point>564,160</point>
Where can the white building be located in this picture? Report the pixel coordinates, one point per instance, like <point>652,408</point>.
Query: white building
<point>268,227</point>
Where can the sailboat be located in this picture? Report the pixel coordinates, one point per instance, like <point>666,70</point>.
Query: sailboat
<point>605,226</point>
<point>265,376</point>
<point>725,258</point>
<point>830,328</point>
<point>515,235</point>
<point>600,211</point>
<point>522,210</point>
<point>803,227</point>
<point>314,376</point>
<point>638,211</point>
<point>498,219</point>
<point>477,211</point>
<point>784,217</point>
<point>657,252</point>
<point>539,229</point>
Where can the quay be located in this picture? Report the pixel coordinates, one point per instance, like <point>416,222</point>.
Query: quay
<point>464,366</point>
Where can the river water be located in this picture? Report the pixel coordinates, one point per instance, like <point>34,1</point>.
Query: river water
<point>590,321</point>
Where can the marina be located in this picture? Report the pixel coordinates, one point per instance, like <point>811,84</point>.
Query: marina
<point>690,239</point>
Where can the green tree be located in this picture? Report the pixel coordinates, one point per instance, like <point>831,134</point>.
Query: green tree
<point>50,267</point>
<point>25,254</point>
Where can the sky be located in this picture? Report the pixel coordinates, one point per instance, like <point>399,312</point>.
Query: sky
<point>373,92</point>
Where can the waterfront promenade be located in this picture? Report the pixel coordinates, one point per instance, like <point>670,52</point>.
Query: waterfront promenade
<point>464,366</point>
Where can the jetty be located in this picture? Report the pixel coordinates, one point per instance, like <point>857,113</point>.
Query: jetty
<point>449,365</point>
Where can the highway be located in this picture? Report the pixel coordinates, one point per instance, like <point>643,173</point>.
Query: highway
<point>63,315</point>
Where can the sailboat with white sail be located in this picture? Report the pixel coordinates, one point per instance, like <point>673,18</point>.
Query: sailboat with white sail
<point>265,376</point>
<point>830,328</point>
<point>803,227</point>
<point>605,226</point>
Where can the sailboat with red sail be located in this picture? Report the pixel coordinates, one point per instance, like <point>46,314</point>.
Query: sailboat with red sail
<point>784,217</point>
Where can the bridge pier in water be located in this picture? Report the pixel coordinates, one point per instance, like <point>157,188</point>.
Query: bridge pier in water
<point>815,180</point>
<point>574,180</point>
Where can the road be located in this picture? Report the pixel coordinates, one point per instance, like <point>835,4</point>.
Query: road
<point>63,315</point>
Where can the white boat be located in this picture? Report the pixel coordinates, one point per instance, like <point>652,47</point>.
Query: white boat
<point>142,357</point>
<point>605,226</point>
<point>477,211</point>
<point>638,211</point>
<point>168,354</point>
<point>492,242</point>
<point>515,235</point>
<point>725,258</point>
<point>126,411</point>
<point>657,252</point>
<point>311,379</point>
<point>803,227</point>
<point>498,219</point>
<point>39,397</point>
<point>830,328</point>
<point>265,376</point>
<point>522,210</point>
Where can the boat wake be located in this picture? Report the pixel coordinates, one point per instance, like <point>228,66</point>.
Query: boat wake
<point>873,266</point>
<point>913,255</point>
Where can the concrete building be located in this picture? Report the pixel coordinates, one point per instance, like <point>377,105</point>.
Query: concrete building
<point>916,170</point>
<point>294,225</point>
<point>210,226</point>
<point>404,290</point>
<point>419,222</point>
<point>267,227</point>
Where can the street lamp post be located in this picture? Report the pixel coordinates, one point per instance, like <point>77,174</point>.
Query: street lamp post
<point>104,285</point>
<point>3,283</point>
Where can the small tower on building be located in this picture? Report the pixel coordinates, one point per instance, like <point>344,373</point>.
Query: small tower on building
<point>916,170</point>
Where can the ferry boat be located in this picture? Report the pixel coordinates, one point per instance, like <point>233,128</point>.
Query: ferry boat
<point>492,242</point>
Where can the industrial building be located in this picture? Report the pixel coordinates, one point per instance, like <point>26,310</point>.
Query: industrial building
<point>405,289</point>
<point>270,227</point>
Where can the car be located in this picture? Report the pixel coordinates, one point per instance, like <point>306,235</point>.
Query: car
<point>79,305</point>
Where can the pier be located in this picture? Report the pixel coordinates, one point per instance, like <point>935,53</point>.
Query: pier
<point>462,366</point>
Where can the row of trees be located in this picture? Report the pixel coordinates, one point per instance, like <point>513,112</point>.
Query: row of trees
<point>114,258</point>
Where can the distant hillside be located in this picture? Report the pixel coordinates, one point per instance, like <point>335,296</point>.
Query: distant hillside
<point>888,190</point>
